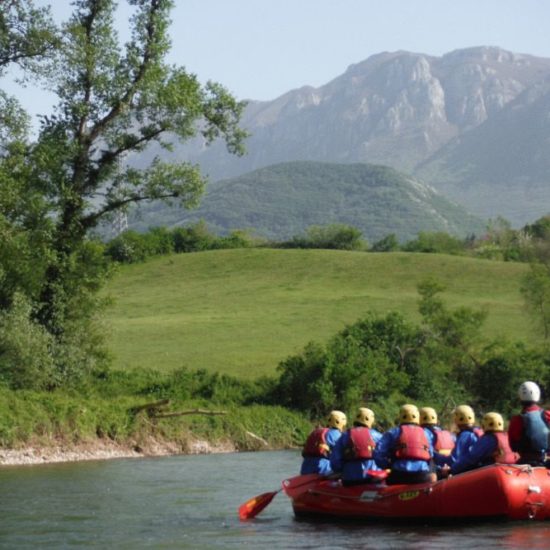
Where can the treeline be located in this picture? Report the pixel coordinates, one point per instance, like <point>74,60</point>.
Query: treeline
<point>500,242</point>
<point>386,360</point>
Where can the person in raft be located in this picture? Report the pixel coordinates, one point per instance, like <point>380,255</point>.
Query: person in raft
<point>492,447</point>
<point>443,441</point>
<point>529,432</point>
<point>407,450</point>
<point>353,453</point>
<point>319,445</point>
<point>467,433</point>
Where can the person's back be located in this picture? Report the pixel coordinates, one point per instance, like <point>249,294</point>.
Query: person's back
<point>468,433</point>
<point>320,443</point>
<point>492,447</point>
<point>407,450</point>
<point>443,441</point>
<point>529,431</point>
<point>353,454</point>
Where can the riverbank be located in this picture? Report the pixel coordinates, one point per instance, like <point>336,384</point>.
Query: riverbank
<point>107,449</point>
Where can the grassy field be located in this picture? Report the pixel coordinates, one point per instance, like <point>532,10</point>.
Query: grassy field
<point>242,311</point>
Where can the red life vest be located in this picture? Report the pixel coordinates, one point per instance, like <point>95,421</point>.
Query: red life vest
<point>361,444</point>
<point>316,444</point>
<point>503,454</point>
<point>412,443</point>
<point>443,442</point>
<point>478,431</point>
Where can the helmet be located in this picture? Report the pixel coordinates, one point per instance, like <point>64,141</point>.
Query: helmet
<point>408,414</point>
<point>464,416</point>
<point>337,419</point>
<point>493,422</point>
<point>365,417</point>
<point>428,416</point>
<point>529,391</point>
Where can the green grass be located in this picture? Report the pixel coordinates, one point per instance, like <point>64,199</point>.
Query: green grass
<point>242,311</point>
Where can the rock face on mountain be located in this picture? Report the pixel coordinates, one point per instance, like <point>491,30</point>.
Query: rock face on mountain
<point>458,121</point>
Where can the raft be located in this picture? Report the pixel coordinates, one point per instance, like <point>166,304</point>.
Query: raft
<point>498,491</point>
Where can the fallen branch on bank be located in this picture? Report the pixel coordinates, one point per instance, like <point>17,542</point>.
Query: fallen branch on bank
<point>258,438</point>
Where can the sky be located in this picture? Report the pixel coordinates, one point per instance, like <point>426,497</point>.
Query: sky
<point>260,49</point>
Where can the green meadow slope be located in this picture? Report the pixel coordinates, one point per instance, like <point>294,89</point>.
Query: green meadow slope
<point>242,311</point>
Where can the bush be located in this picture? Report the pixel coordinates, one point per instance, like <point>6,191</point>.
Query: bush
<point>387,244</point>
<point>334,236</point>
<point>129,247</point>
<point>437,242</point>
<point>25,348</point>
<point>193,238</point>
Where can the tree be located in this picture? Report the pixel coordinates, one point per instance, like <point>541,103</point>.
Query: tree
<point>27,36</point>
<point>113,102</point>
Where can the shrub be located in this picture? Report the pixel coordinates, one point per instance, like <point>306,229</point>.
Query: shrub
<point>437,242</point>
<point>192,238</point>
<point>25,348</point>
<point>388,244</point>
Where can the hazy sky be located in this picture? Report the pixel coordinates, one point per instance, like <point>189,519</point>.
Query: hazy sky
<point>260,49</point>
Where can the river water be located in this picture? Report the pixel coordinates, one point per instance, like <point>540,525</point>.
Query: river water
<point>191,502</point>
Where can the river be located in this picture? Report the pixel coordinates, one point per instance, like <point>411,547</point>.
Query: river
<point>191,502</point>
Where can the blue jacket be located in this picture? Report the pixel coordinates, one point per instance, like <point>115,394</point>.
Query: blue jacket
<point>319,464</point>
<point>464,440</point>
<point>385,449</point>
<point>479,453</point>
<point>352,469</point>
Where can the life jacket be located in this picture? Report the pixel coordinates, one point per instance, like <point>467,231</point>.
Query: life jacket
<point>503,454</point>
<point>535,436</point>
<point>316,445</point>
<point>412,443</point>
<point>360,445</point>
<point>444,442</point>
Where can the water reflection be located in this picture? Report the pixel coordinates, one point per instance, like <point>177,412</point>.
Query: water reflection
<point>191,502</point>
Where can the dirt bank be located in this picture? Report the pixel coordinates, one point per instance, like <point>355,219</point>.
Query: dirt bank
<point>103,449</point>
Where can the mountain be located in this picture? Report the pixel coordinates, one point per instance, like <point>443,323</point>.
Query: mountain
<point>502,165</point>
<point>458,122</point>
<point>281,201</point>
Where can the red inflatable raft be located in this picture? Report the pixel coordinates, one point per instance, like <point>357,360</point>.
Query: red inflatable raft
<point>515,492</point>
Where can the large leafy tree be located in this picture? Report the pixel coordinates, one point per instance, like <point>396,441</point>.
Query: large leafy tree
<point>113,101</point>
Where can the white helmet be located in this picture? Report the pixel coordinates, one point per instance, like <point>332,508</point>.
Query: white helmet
<point>529,391</point>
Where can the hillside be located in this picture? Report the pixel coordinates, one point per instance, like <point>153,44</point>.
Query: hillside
<point>242,311</point>
<point>281,201</point>
<point>404,109</point>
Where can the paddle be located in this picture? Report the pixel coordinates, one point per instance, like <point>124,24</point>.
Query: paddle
<point>252,507</point>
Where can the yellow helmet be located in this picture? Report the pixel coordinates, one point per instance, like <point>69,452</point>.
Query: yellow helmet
<point>464,416</point>
<point>408,414</point>
<point>365,417</point>
<point>337,419</point>
<point>428,416</point>
<point>493,422</point>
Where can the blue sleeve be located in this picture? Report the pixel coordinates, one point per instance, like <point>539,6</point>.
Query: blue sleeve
<point>332,437</point>
<point>430,435</point>
<point>337,454</point>
<point>376,435</point>
<point>464,441</point>
<point>384,449</point>
<point>477,453</point>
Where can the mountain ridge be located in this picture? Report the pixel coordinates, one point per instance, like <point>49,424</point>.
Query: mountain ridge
<point>401,109</point>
